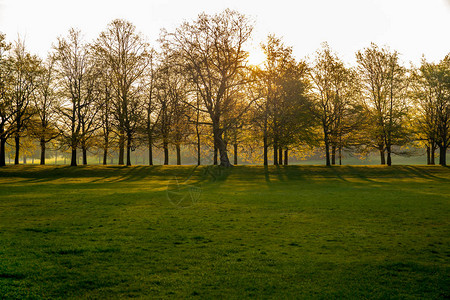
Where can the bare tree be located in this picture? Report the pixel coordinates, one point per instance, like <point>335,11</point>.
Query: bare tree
<point>46,105</point>
<point>91,107</point>
<point>170,102</point>
<point>72,64</point>
<point>127,55</point>
<point>196,121</point>
<point>334,96</point>
<point>106,94</point>
<point>151,111</point>
<point>212,51</point>
<point>432,94</point>
<point>283,106</point>
<point>384,91</point>
<point>25,73</point>
<point>6,112</point>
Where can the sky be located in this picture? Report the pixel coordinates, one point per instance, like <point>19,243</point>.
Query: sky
<point>412,27</point>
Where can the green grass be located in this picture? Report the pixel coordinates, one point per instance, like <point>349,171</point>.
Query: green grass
<point>288,232</point>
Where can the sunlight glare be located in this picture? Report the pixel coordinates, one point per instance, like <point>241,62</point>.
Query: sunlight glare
<point>256,56</point>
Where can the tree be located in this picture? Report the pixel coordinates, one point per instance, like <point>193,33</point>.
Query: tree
<point>91,107</point>
<point>170,100</point>
<point>166,91</point>
<point>283,105</point>
<point>296,120</point>
<point>6,112</point>
<point>211,49</point>
<point>334,106</point>
<point>25,71</point>
<point>180,126</point>
<point>127,55</point>
<point>150,108</point>
<point>72,64</point>
<point>384,86</point>
<point>432,94</point>
<point>196,121</point>
<point>46,105</point>
<point>105,108</point>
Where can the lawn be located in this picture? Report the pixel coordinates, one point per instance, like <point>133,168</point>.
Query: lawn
<point>186,232</point>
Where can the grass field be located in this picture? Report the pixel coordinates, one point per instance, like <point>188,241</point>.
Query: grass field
<point>206,232</point>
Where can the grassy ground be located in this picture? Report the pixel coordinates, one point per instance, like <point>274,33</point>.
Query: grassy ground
<point>171,232</point>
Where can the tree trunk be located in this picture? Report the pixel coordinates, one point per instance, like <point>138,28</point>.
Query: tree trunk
<point>275,155</point>
<point>280,156</point>
<point>128,149</point>
<point>275,151</point>
<point>222,148</point>
<point>340,156</point>
<point>223,153</point>
<point>166,152</point>
<point>16,158</point>
<point>128,155</point>
<point>442,156</point>
<point>105,156</point>
<point>327,154</point>
<point>42,151</point>
<point>198,149</point>
<point>383,161</point>
<point>327,146</point>
<point>84,151</point>
<point>286,157</point>
<point>105,150</point>
<point>197,131</point>
<point>73,161</point>
<point>150,150</point>
<point>121,146</point>
<point>2,152</point>
<point>433,156</point>
<point>389,161</point>
<point>235,154</point>
<point>178,154</point>
<point>333,155</point>
<point>428,155</point>
<point>266,147</point>
<point>215,155</point>
<point>24,159</point>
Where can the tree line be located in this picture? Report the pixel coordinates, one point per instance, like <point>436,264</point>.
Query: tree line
<point>117,93</point>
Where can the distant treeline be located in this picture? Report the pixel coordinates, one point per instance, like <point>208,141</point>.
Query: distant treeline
<point>198,91</point>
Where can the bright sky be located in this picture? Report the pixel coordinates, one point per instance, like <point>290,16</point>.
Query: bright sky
<point>412,27</point>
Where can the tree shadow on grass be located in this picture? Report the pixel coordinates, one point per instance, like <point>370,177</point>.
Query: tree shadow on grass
<point>369,174</point>
<point>426,174</point>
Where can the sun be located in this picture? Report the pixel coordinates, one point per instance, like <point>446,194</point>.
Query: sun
<point>256,56</point>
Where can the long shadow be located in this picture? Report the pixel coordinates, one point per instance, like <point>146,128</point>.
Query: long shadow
<point>131,174</point>
<point>358,174</point>
<point>423,173</point>
<point>310,173</point>
<point>281,173</point>
<point>337,173</point>
<point>215,174</point>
